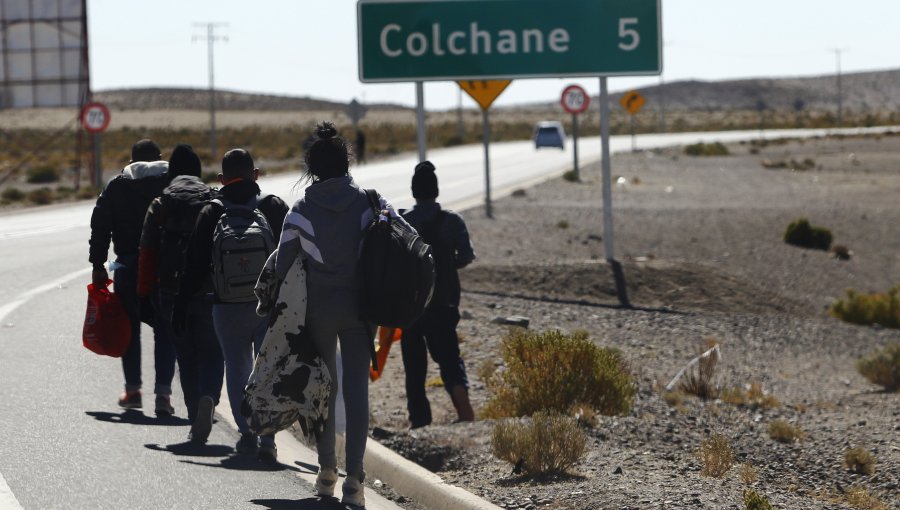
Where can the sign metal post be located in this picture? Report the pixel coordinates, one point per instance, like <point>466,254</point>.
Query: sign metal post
<point>484,92</point>
<point>95,119</point>
<point>575,101</point>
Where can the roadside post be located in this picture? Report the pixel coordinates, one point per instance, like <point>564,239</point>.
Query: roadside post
<point>575,101</point>
<point>355,112</point>
<point>632,101</point>
<point>95,119</point>
<point>484,92</point>
<point>461,40</point>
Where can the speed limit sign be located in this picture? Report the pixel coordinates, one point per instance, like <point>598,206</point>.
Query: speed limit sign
<point>95,117</point>
<point>575,100</point>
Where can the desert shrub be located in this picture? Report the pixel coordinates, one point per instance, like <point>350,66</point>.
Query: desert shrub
<point>87,192</point>
<point>42,175</point>
<point>706,149</point>
<point>584,414</point>
<point>882,367</point>
<point>754,396</point>
<point>748,473</point>
<point>755,501</point>
<point>12,194</point>
<point>699,380</point>
<point>715,456</point>
<point>674,398</point>
<point>875,308</point>
<point>546,444</point>
<point>784,432</point>
<point>552,371</point>
<point>859,461</point>
<point>41,196</point>
<point>570,175</point>
<point>801,233</point>
<point>64,191</point>
<point>841,252</point>
<point>562,224</point>
<point>861,499</point>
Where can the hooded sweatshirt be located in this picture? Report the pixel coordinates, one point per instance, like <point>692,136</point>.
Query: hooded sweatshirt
<point>326,228</point>
<point>119,213</point>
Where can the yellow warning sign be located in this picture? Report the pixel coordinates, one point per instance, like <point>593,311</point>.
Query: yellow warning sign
<point>632,101</point>
<point>484,92</point>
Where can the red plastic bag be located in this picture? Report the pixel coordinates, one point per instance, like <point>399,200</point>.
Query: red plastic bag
<point>107,329</point>
<point>386,337</point>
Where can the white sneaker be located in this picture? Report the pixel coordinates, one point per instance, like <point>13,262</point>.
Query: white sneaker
<point>353,492</point>
<point>325,481</point>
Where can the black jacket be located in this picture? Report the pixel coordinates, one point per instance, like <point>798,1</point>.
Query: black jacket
<point>199,251</point>
<point>119,213</point>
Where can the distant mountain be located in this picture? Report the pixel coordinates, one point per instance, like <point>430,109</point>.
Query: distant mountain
<point>198,99</point>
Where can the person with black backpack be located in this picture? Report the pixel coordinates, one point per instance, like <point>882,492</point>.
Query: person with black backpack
<point>167,230</point>
<point>326,228</point>
<point>233,237</point>
<point>435,331</point>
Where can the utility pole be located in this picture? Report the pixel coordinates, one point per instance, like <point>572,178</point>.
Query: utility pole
<point>840,109</point>
<point>662,105</point>
<point>211,39</point>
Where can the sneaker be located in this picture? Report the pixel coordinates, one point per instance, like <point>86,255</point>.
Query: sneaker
<point>130,400</point>
<point>164,406</point>
<point>202,425</point>
<point>325,482</point>
<point>247,444</point>
<point>353,490</point>
<point>267,453</point>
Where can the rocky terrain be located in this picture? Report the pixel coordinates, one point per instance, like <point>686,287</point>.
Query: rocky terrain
<point>700,239</point>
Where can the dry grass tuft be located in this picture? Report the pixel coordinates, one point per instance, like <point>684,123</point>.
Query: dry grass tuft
<point>859,461</point>
<point>784,432</point>
<point>755,501</point>
<point>544,445</point>
<point>715,456</point>
<point>882,367</point>
<point>700,379</point>
<point>749,474</point>
<point>861,499</point>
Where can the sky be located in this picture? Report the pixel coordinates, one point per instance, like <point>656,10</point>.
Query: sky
<point>309,48</point>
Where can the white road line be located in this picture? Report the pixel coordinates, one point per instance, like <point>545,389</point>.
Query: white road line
<point>8,500</point>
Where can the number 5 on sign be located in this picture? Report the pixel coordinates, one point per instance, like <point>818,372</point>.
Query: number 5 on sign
<point>628,31</point>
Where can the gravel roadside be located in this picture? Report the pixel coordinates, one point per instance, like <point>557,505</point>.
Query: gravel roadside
<point>700,242</point>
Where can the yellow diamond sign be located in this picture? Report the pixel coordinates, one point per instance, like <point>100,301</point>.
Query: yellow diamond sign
<point>632,101</point>
<point>484,92</point>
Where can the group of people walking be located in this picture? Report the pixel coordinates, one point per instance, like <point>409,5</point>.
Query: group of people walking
<point>174,270</point>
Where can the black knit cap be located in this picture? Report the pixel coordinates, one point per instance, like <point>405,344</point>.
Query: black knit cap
<point>424,181</point>
<point>184,161</point>
<point>145,150</point>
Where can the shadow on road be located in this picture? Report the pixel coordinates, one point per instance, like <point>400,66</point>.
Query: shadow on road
<point>193,449</point>
<point>132,417</point>
<point>244,463</point>
<point>300,504</point>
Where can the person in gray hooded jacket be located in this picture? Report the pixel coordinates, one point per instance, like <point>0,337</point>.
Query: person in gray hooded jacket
<point>325,228</point>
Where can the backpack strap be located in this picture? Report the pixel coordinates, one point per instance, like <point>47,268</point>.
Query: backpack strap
<point>372,195</point>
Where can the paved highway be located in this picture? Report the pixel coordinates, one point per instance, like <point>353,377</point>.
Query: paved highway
<point>65,443</point>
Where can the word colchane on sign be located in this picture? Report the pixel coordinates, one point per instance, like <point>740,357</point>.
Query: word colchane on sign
<point>632,101</point>
<point>484,92</point>
<point>415,40</point>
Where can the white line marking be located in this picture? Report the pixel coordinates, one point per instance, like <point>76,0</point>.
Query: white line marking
<point>8,500</point>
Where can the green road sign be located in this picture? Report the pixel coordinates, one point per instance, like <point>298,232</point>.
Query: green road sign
<point>413,40</point>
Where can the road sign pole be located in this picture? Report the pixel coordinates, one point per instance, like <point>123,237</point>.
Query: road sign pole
<point>633,140</point>
<point>605,167</point>
<point>98,164</point>
<point>575,145</point>
<point>420,120</point>
<point>486,124</point>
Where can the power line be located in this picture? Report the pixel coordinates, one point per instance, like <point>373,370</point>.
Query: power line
<point>211,39</point>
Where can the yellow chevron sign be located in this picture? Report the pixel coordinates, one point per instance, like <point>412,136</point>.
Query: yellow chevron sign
<point>632,101</point>
<point>484,92</point>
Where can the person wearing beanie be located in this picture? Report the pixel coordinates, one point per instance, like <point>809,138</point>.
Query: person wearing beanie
<point>164,237</point>
<point>117,218</point>
<point>435,331</point>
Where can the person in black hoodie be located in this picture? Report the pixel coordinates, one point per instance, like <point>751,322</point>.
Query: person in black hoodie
<point>118,217</point>
<point>167,230</point>
<point>239,330</point>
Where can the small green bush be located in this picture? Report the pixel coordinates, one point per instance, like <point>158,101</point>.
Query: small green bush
<point>562,224</point>
<point>801,233</point>
<point>546,444</point>
<point>706,149</point>
<point>41,196</point>
<point>552,371</point>
<point>42,175</point>
<point>12,195</point>
<point>882,367</point>
<point>859,461</point>
<point>875,308</point>
<point>570,175</point>
<point>784,432</point>
<point>756,501</point>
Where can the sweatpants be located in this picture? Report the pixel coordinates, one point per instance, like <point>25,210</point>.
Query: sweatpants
<point>240,332</point>
<point>332,314</point>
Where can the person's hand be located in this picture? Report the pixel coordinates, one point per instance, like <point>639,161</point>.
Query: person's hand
<point>179,320</point>
<point>99,276</point>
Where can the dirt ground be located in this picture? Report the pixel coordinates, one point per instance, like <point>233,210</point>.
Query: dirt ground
<point>700,240</point>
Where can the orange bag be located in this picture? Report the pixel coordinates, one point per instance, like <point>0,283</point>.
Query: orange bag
<point>107,329</point>
<point>386,337</point>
